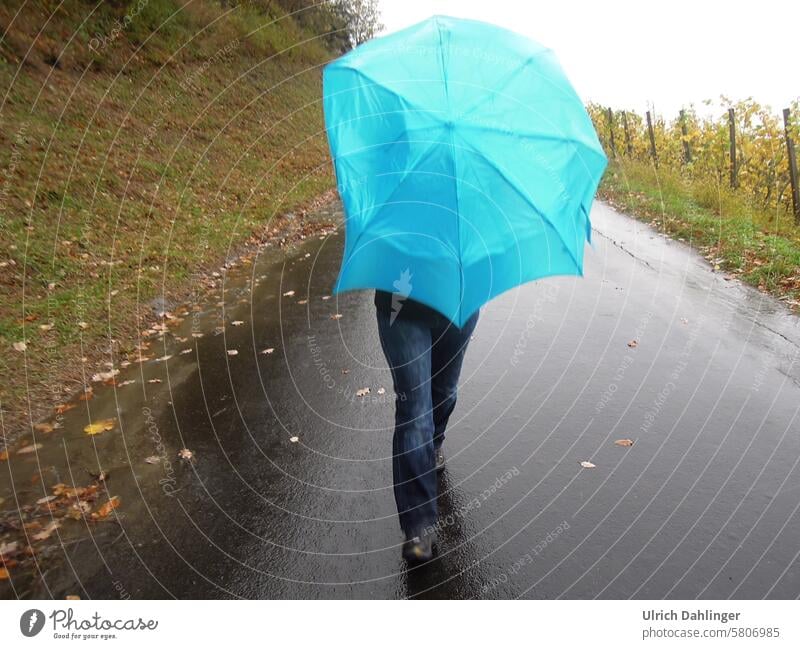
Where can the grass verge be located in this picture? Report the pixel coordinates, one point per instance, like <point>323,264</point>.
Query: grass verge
<point>735,235</point>
<point>141,144</point>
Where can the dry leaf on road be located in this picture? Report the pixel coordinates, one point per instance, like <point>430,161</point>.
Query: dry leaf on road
<point>99,427</point>
<point>107,508</point>
<point>624,442</point>
<point>46,532</point>
<point>363,392</point>
<point>588,465</point>
<point>29,449</point>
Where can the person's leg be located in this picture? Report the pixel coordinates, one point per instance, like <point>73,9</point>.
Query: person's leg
<point>407,346</point>
<point>447,356</point>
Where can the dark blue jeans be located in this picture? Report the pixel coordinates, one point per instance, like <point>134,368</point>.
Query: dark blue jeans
<point>425,356</point>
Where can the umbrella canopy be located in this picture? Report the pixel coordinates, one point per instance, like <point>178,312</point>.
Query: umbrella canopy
<point>466,162</point>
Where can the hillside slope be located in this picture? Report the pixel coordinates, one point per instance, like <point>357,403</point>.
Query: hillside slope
<point>142,142</point>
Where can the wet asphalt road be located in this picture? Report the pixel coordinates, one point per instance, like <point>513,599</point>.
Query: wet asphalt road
<point>704,504</point>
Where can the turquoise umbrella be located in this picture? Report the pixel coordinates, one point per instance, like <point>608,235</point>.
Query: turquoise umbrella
<point>465,160</point>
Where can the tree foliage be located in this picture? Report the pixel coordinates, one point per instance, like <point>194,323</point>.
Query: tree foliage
<point>342,24</point>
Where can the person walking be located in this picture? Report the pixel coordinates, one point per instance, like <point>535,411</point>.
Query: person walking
<point>461,152</point>
<point>425,352</point>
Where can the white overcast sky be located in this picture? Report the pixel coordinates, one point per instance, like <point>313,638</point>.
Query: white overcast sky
<point>625,53</point>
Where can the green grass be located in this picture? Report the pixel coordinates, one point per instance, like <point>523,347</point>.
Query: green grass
<point>111,157</point>
<point>759,246</point>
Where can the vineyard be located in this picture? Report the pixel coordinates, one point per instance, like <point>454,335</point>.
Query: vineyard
<point>745,147</point>
<point>722,181</point>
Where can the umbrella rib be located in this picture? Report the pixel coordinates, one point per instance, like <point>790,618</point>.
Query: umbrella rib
<point>449,126</point>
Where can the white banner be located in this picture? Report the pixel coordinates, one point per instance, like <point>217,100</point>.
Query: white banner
<point>402,624</point>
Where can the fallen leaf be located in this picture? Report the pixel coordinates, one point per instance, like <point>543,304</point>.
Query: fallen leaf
<point>43,427</point>
<point>288,294</point>
<point>345,371</point>
<point>186,351</point>
<point>624,442</point>
<point>153,459</point>
<point>633,343</point>
<point>7,549</point>
<point>326,297</point>
<point>164,358</point>
<point>124,383</point>
<point>63,407</point>
<point>46,532</point>
<point>185,454</point>
<point>83,325</point>
<point>99,427</point>
<point>197,335</point>
<point>106,508</point>
<point>233,352</point>
<point>45,500</point>
<point>336,316</point>
<point>381,390</point>
<point>588,465</point>
<point>294,439</point>
<point>154,380</point>
<point>363,392</point>
<point>20,346</point>
<point>104,376</point>
<point>268,350</point>
<point>100,477</point>
<point>87,394</point>
<point>72,597</point>
<point>80,508</point>
<point>4,454</point>
<point>4,573</point>
<point>237,323</point>
<point>45,327</point>
<point>29,449</point>
<point>302,301</point>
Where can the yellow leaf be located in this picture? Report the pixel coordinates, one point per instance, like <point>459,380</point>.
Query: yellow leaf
<point>99,427</point>
<point>107,508</point>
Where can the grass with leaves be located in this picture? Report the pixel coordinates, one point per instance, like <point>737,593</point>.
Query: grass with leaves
<point>142,142</point>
